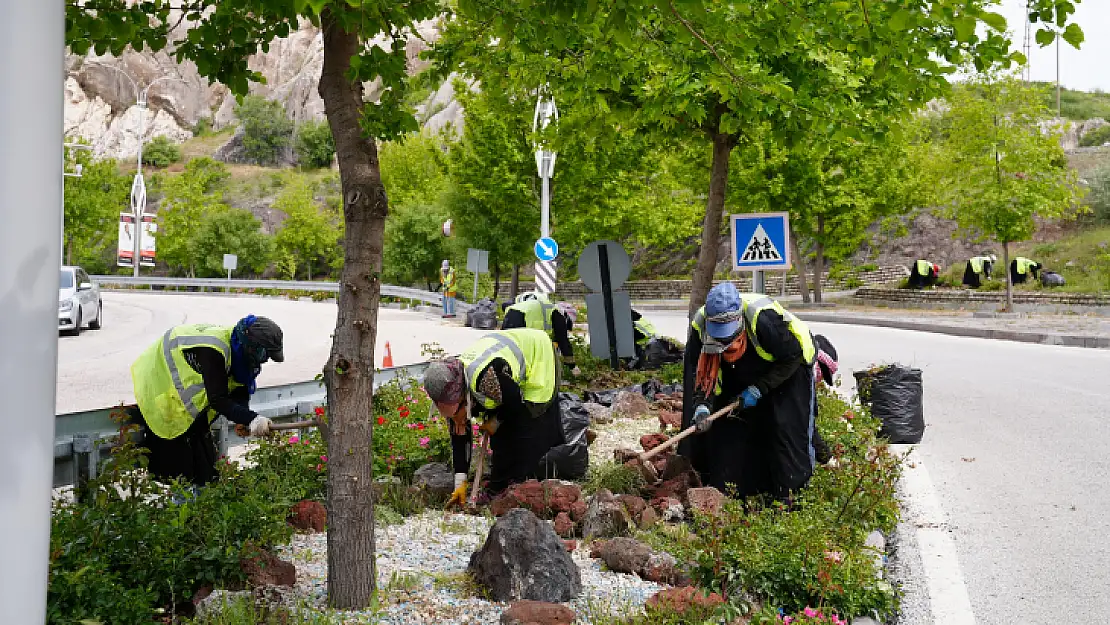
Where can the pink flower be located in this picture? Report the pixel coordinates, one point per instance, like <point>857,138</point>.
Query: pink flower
<point>424,440</point>
<point>293,440</point>
<point>834,556</point>
<point>319,467</point>
<point>788,620</point>
<point>323,458</point>
<point>810,612</point>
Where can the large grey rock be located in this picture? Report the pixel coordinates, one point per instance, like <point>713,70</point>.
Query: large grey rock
<point>523,558</point>
<point>436,478</point>
<point>606,517</point>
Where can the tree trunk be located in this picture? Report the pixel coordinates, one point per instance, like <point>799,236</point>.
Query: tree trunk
<point>1009,281</point>
<point>819,261</point>
<point>800,266</point>
<point>514,285</point>
<point>349,373</point>
<point>711,227</point>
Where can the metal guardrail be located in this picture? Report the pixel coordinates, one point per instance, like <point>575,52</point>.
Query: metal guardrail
<point>387,290</point>
<point>80,437</point>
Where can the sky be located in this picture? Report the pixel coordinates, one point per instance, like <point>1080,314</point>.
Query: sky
<point>1087,68</point>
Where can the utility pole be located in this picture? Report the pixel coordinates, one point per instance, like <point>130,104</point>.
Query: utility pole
<point>546,113</point>
<point>32,39</point>
<point>1058,75</point>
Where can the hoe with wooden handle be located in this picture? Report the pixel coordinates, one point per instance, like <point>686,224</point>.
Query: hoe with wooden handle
<point>648,469</point>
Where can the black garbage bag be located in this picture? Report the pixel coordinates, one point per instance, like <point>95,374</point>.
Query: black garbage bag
<point>1051,278</point>
<point>571,459</point>
<point>895,396</point>
<point>483,315</point>
<point>659,352</point>
<point>607,397</point>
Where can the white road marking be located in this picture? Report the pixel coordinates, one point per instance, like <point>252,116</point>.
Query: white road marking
<point>947,593</point>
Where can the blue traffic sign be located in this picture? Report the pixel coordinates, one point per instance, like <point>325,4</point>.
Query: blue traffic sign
<point>546,248</point>
<point>760,241</point>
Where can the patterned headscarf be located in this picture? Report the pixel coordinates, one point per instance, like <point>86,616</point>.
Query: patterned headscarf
<point>444,380</point>
<point>489,386</point>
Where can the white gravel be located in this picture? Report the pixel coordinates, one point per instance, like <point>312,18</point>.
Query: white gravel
<point>421,575</point>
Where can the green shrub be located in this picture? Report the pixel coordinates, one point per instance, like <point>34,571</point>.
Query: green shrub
<point>315,145</point>
<point>993,285</point>
<point>1098,136</point>
<point>266,129</point>
<point>161,152</point>
<point>127,551</point>
<point>1098,196</point>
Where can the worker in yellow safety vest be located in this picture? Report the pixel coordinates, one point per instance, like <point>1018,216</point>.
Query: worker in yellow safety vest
<point>978,268</point>
<point>749,348</point>
<point>1021,268</point>
<point>923,273</point>
<point>508,378</point>
<point>447,284</point>
<point>555,320</point>
<point>191,375</point>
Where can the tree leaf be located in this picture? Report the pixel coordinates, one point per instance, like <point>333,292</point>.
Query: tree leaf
<point>1073,34</point>
<point>994,20</point>
<point>1045,37</point>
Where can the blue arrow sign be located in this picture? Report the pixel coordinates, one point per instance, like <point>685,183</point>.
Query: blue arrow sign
<point>760,241</point>
<point>546,248</point>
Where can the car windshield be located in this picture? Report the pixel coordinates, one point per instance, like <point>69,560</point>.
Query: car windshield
<point>65,281</point>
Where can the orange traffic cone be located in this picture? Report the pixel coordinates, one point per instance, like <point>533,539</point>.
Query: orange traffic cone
<point>387,362</point>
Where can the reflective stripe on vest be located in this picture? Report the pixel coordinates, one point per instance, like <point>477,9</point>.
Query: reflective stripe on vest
<point>537,314</point>
<point>755,304</point>
<point>170,393</point>
<point>531,358</point>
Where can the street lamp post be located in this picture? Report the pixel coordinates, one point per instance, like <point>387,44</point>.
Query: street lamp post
<point>138,184</point>
<point>546,113</point>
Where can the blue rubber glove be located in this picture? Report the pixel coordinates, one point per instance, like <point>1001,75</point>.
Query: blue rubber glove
<point>751,396</point>
<point>701,419</point>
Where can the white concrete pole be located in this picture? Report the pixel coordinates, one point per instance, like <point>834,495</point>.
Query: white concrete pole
<point>32,42</point>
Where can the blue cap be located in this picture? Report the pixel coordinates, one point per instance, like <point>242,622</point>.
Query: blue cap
<point>723,298</point>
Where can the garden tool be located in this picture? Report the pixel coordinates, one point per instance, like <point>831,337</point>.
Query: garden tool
<point>295,425</point>
<point>647,469</point>
<point>473,503</point>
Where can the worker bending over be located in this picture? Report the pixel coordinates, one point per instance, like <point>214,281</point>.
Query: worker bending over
<point>923,274</point>
<point>509,379</point>
<point>188,377</point>
<point>1021,268</point>
<point>979,268</point>
<point>554,320</point>
<point>749,348</point>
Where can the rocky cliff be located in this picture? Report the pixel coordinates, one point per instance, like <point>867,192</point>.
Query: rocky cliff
<point>101,101</point>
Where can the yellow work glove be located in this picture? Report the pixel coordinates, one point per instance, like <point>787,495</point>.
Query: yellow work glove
<point>458,496</point>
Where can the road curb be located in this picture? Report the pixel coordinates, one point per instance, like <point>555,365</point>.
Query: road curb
<point>1042,338</point>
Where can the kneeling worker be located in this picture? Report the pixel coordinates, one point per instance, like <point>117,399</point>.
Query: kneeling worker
<point>510,379</point>
<point>553,320</point>
<point>749,348</point>
<point>187,378</point>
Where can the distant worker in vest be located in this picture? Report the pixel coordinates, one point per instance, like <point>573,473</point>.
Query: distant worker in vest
<point>978,269</point>
<point>540,314</point>
<point>509,380</point>
<point>923,274</point>
<point>187,378</point>
<point>448,286</point>
<point>1021,268</point>
<point>749,348</point>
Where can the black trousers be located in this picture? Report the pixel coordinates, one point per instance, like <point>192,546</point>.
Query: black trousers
<point>191,457</point>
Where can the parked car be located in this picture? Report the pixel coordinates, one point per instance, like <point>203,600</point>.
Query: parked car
<point>79,302</point>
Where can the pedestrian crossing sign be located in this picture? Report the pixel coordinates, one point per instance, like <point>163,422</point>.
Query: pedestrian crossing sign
<point>760,241</point>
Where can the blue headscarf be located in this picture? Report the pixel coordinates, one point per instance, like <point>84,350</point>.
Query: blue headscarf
<point>245,364</point>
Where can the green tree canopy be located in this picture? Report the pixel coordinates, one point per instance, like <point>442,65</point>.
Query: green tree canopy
<point>231,231</point>
<point>93,203</point>
<point>308,235</point>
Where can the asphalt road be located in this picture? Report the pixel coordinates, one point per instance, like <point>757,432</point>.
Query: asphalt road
<point>1015,440</point>
<point>1016,446</point>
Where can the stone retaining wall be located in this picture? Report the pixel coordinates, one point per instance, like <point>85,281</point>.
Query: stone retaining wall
<point>680,289</point>
<point>945,296</point>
